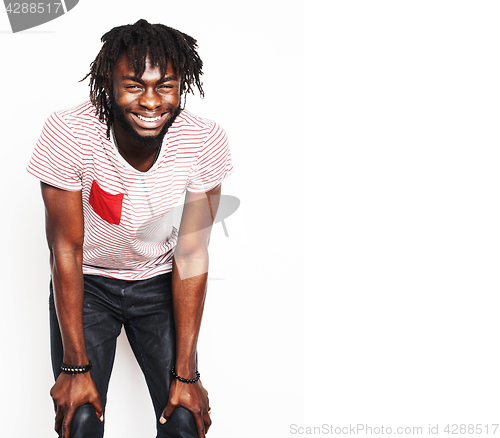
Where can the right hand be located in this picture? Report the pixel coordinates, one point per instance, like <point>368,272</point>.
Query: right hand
<point>69,393</point>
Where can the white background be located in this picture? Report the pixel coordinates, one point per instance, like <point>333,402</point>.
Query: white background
<point>250,348</point>
<point>372,228</point>
<point>402,272</point>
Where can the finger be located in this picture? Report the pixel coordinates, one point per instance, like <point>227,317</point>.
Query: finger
<point>200,424</point>
<point>98,407</point>
<point>167,413</point>
<point>66,423</point>
<point>207,420</point>
<point>59,418</point>
<point>206,415</point>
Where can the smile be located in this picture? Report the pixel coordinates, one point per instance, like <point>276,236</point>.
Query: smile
<point>148,119</point>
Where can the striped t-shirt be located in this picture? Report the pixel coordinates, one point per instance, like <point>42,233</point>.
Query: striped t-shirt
<point>128,214</point>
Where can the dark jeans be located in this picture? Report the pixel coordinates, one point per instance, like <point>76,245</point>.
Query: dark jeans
<point>144,308</point>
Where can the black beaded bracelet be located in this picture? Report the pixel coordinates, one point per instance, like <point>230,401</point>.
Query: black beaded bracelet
<point>186,380</point>
<point>76,370</point>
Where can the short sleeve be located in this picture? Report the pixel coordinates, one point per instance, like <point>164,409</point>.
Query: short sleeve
<point>213,164</point>
<point>57,157</point>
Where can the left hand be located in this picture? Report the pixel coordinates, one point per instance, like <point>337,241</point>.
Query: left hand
<point>194,398</point>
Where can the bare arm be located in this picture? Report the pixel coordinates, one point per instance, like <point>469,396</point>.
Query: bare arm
<point>65,232</point>
<point>189,287</point>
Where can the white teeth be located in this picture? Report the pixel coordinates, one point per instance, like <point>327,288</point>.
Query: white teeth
<point>149,119</point>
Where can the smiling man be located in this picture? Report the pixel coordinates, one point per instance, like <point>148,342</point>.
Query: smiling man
<point>112,170</point>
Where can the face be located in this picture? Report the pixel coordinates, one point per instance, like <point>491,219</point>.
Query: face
<point>144,107</point>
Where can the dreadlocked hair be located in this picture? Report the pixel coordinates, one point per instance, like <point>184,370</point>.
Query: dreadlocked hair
<point>141,40</point>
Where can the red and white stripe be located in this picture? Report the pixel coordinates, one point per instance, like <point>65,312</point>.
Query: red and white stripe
<point>73,152</point>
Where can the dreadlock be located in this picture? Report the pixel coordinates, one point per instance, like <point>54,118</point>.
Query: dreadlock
<point>141,40</point>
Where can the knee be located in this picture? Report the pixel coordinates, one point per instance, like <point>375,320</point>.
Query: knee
<point>182,415</point>
<point>180,425</point>
<point>85,423</point>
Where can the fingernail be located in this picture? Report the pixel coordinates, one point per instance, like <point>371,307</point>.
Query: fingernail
<point>163,420</point>
<point>102,417</point>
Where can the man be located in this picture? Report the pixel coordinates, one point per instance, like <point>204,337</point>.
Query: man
<point>111,171</point>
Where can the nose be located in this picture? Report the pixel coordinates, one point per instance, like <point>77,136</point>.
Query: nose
<point>150,99</point>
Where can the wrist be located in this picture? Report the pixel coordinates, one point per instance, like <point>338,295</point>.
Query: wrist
<point>75,359</point>
<point>185,379</point>
<point>188,371</point>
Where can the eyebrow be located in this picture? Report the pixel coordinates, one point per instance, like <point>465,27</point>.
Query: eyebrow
<point>137,79</point>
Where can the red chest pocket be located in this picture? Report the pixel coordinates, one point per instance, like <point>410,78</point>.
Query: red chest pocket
<point>106,205</point>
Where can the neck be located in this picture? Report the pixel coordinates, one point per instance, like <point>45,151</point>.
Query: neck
<point>137,155</point>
